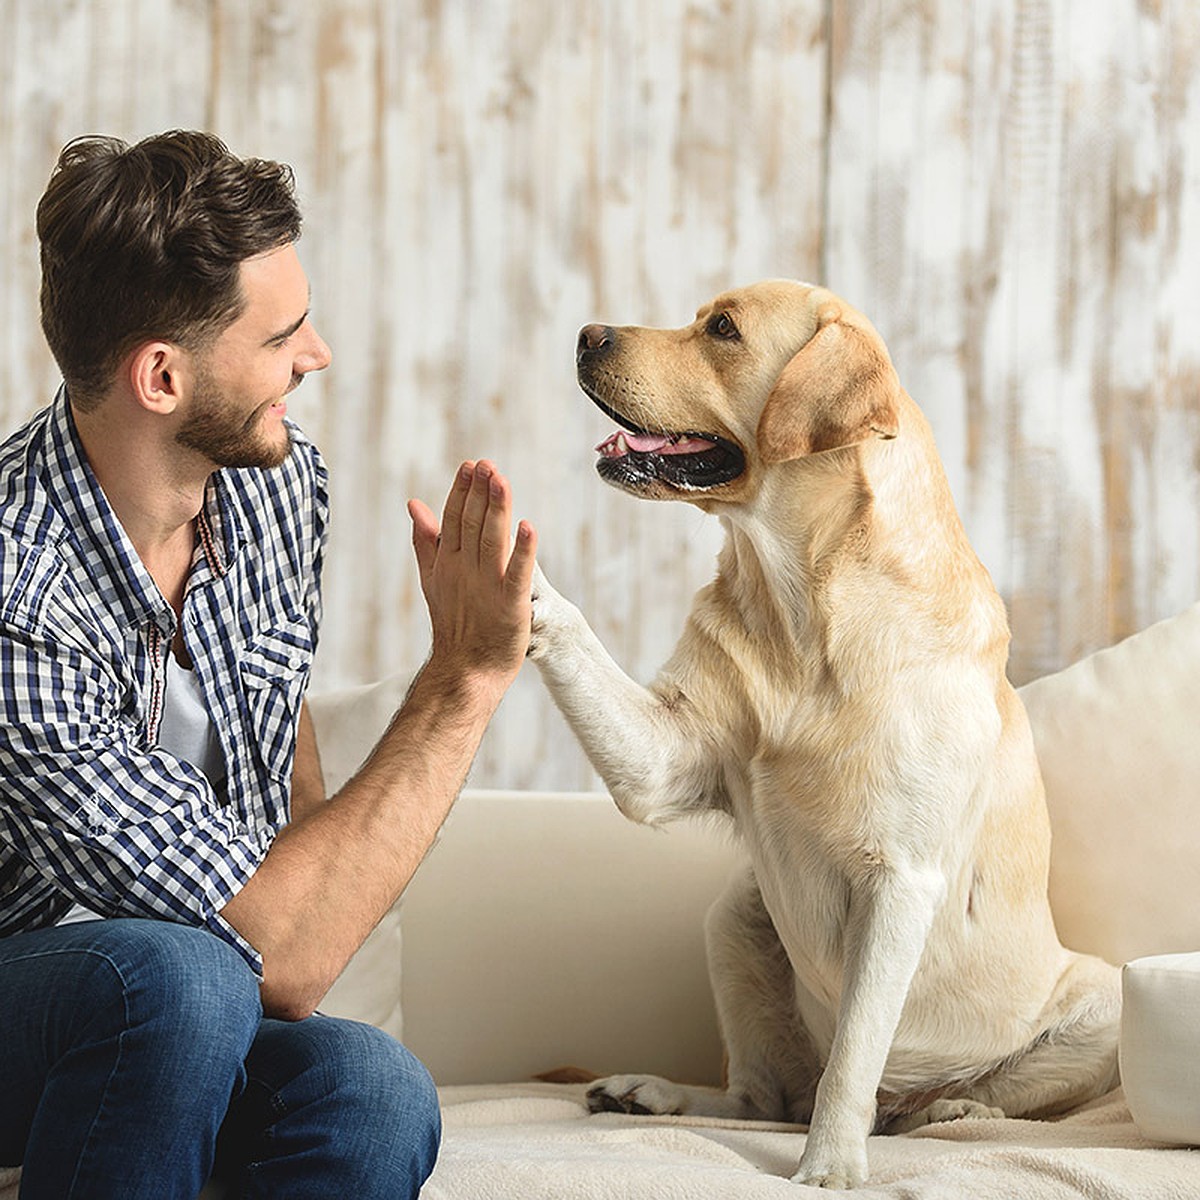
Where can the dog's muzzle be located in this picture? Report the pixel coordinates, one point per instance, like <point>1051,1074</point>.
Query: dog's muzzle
<point>640,459</point>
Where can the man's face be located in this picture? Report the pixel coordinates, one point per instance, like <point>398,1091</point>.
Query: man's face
<point>237,405</point>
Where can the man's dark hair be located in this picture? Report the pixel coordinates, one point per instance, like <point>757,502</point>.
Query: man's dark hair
<point>144,242</point>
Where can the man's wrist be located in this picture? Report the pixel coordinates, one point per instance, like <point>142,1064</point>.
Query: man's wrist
<point>447,681</point>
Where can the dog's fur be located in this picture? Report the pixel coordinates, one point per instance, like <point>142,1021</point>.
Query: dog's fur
<point>889,957</point>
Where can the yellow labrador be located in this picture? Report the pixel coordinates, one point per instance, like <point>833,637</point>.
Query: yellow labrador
<point>889,957</point>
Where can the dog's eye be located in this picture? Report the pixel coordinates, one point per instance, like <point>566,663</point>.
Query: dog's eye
<point>721,325</point>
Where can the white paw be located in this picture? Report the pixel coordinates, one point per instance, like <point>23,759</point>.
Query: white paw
<point>945,1110</point>
<point>642,1094</point>
<point>550,611</point>
<point>832,1170</point>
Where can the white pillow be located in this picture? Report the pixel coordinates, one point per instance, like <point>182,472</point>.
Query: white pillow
<point>1117,741</point>
<point>348,723</point>
<point>1160,1045</point>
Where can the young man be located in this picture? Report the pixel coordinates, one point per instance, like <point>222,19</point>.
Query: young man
<point>176,893</point>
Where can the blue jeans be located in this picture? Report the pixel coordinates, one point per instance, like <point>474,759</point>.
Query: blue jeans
<point>134,1058</point>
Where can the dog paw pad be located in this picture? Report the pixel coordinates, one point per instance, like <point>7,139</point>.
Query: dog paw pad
<point>637,1095</point>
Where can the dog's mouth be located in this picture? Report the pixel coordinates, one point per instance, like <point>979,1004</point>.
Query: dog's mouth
<point>689,461</point>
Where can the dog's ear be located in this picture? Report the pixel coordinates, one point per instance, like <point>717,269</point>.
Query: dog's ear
<point>839,389</point>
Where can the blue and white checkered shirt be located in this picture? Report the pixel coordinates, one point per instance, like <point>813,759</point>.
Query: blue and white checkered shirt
<point>92,811</point>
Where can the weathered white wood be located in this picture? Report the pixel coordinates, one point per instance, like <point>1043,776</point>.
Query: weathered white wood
<point>1019,248</point>
<point>1009,188</point>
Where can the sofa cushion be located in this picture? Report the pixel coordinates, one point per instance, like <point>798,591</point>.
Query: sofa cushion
<point>546,930</point>
<point>1116,739</point>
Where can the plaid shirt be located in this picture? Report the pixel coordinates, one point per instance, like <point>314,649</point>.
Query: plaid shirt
<point>91,810</point>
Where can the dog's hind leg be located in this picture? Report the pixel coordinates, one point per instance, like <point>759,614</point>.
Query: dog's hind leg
<point>1074,1058</point>
<point>771,1070</point>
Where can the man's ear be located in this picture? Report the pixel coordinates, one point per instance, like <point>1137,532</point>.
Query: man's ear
<point>156,371</point>
<point>839,389</point>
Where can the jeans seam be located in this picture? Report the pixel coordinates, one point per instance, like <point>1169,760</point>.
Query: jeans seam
<point>86,1148</point>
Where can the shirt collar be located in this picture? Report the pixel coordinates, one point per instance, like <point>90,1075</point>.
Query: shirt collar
<point>107,551</point>
<point>220,533</point>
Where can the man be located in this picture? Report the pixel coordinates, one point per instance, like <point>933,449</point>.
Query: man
<point>161,536</point>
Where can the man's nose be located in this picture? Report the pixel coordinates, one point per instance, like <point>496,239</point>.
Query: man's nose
<point>316,355</point>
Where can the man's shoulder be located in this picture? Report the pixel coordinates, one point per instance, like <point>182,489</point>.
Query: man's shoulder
<point>33,568</point>
<point>24,448</point>
<point>28,517</point>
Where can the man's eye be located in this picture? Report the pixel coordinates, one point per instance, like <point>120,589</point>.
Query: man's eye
<point>721,325</point>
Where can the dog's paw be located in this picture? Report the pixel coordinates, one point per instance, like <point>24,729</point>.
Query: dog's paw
<point>834,1171</point>
<point>644,1095</point>
<point>547,604</point>
<point>945,1110</point>
<point>832,1161</point>
<point>837,1174</point>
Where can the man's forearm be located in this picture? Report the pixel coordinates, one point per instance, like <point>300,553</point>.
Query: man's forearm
<point>332,874</point>
<point>429,745</point>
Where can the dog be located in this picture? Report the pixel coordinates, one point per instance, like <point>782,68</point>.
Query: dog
<point>888,957</point>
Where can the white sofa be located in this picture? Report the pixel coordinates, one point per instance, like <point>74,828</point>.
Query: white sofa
<point>545,930</point>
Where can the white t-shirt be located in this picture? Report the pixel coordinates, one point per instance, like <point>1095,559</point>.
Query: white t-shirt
<point>185,729</point>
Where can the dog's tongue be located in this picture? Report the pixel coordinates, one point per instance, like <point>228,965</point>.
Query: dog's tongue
<point>647,443</point>
<point>622,442</point>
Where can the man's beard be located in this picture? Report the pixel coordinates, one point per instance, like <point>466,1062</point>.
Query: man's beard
<point>224,437</point>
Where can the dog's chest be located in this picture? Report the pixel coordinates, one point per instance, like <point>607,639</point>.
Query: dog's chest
<point>802,856</point>
<point>818,770</point>
<point>818,813</point>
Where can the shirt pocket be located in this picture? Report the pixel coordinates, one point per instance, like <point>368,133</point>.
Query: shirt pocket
<point>274,671</point>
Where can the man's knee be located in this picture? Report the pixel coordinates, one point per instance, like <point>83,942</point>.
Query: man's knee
<point>379,1089</point>
<point>391,1090</point>
<point>387,1074</point>
<point>147,1021</point>
<point>179,985</point>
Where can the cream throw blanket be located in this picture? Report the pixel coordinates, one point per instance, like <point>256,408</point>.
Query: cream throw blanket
<point>537,1142</point>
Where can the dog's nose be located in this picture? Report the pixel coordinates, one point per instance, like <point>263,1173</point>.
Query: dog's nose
<point>594,339</point>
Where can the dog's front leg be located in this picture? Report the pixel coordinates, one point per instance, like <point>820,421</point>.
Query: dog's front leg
<point>891,912</point>
<point>646,748</point>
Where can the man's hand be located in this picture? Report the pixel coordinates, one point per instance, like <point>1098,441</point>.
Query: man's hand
<point>476,580</point>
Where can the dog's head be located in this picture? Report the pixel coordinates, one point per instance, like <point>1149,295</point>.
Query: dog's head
<point>766,374</point>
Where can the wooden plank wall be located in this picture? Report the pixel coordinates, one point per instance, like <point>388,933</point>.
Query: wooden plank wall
<point>1009,188</point>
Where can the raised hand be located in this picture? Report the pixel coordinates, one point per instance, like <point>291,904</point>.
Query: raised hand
<point>476,579</point>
